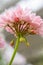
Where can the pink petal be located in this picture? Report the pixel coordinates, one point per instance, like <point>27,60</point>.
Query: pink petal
<point>2,43</point>
<point>9,30</point>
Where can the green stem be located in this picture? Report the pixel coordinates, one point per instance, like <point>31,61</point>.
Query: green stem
<point>15,50</point>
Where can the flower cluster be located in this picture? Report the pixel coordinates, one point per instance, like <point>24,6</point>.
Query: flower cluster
<point>18,20</point>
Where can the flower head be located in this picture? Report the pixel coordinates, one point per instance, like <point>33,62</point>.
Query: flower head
<point>21,21</point>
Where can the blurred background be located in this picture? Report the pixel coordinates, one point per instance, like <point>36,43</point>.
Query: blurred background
<point>34,53</point>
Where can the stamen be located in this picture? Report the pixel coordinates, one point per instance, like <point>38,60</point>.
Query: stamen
<point>10,27</point>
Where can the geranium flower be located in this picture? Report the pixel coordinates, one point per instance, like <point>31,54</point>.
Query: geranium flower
<point>19,20</point>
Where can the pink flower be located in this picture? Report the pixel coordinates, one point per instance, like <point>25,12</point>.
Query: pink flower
<point>2,43</point>
<point>19,20</point>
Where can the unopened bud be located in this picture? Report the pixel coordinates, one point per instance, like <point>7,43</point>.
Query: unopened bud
<point>12,42</point>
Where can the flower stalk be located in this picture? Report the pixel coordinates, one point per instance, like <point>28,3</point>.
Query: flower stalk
<point>15,50</point>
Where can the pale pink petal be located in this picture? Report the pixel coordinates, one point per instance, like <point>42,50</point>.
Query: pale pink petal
<point>40,30</point>
<point>2,43</point>
<point>9,29</point>
<point>36,21</point>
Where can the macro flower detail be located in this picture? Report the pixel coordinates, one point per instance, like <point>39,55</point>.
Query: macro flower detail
<point>21,22</point>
